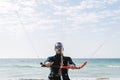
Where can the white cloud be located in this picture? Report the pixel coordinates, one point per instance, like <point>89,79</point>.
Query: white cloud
<point>88,11</point>
<point>79,13</point>
<point>110,1</point>
<point>6,7</point>
<point>48,21</point>
<point>90,4</point>
<point>95,29</point>
<point>54,1</point>
<point>31,24</point>
<point>85,4</point>
<point>16,15</point>
<point>24,6</point>
<point>30,3</point>
<point>27,7</point>
<point>85,18</point>
<point>109,13</point>
<point>74,15</point>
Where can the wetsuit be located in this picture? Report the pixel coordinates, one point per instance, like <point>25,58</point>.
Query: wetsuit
<point>55,74</point>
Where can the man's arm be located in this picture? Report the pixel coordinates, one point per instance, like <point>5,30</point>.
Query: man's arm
<point>71,64</point>
<point>48,62</point>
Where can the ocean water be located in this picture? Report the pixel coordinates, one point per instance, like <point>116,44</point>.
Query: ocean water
<point>30,68</point>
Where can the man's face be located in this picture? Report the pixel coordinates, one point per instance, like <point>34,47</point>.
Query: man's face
<point>58,48</point>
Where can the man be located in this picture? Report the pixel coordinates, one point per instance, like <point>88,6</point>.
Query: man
<point>55,62</point>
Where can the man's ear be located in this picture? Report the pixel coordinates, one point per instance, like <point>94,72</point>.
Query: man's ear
<point>62,49</point>
<point>54,49</point>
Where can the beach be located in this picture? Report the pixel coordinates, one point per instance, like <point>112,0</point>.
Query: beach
<point>71,79</point>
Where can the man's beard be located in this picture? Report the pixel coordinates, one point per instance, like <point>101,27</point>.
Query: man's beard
<point>59,52</point>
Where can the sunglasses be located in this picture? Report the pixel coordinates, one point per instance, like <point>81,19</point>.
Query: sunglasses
<point>58,47</point>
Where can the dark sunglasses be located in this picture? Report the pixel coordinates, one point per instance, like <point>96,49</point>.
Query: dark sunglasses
<point>58,47</point>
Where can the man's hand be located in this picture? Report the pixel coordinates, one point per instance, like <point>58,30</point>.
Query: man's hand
<point>48,64</point>
<point>72,66</point>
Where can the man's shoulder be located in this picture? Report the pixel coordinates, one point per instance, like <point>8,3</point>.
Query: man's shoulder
<point>67,57</point>
<point>51,56</point>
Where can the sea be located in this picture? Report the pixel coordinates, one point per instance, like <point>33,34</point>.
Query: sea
<point>30,68</point>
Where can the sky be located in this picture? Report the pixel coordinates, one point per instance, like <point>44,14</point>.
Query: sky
<point>87,28</point>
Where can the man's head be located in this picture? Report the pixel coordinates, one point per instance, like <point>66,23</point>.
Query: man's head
<point>59,48</point>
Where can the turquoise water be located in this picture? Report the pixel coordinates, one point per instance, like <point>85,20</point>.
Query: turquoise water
<point>30,68</point>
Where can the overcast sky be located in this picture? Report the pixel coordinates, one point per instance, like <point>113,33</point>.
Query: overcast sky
<point>87,28</point>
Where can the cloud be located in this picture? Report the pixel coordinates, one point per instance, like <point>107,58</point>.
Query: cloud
<point>50,14</point>
<point>52,1</point>
<point>87,11</point>
<point>16,15</point>
<point>85,18</point>
<point>24,6</point>
<point>110,1</point>
<point>6,7</point>
<point>85,4</point>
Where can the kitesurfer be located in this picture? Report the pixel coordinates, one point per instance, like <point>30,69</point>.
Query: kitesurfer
<point>55,62</point>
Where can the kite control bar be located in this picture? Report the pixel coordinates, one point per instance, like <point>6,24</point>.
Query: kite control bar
<point>77,67</point>
<point>66,67</point>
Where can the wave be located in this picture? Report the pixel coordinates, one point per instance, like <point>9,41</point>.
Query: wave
<point>26,66</point>
<point>113,66</point>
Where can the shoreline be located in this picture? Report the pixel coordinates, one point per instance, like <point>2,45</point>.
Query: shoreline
<point>100,78</point>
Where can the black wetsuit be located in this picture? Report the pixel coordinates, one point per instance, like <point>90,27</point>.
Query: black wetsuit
<point>54,70</point>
